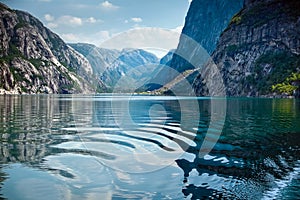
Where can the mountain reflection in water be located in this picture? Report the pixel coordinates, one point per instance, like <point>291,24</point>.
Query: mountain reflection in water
<point>71,146</point>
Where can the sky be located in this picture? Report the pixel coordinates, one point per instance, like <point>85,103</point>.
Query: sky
<point>99,22</point>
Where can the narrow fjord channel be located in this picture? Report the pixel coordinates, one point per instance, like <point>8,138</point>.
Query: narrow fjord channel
<point>72,147</point>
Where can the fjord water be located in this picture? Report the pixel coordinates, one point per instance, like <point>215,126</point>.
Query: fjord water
<point>120,147</point>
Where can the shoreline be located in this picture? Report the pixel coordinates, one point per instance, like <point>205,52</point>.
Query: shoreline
<point>15,93</point>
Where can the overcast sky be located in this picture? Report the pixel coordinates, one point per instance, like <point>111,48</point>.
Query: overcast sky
<point>95,21</point>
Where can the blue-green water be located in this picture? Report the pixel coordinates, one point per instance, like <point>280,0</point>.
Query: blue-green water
<point>143,147</point>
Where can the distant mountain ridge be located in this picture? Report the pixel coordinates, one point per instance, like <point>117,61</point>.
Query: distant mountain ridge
<point>110,65</point>
<point>99,58</point>
<point>35,60</point>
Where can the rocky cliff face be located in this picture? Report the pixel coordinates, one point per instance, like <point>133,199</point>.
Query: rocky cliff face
<point>259,48</point>
<point>35,60</point>
<point>204,23</point>
<point>206,20</point>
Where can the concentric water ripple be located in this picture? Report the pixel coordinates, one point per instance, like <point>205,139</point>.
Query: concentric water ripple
<point>160,144</point>
<point>60,147</point>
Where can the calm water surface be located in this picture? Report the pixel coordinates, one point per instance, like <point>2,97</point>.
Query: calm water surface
<point>122,147</point>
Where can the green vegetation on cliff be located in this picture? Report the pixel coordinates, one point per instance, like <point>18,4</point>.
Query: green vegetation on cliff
<point>272,68</point>
<point>290,84</point>
<point>259,13</point>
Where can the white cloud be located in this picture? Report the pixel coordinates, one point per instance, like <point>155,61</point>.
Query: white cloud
<point>156,40</point>
<point>178,29</point>
<point>91,20</point>
<point>145,38</point>
<point>108,6</point>
<point>92,38</point>
<point>48,17</point>
<point>136,19</point>
<point>137,26</point>
<point>104,35</point>
<point>70,20</point>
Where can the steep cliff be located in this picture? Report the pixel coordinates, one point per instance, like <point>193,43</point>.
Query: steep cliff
<point>204,23</point>
<point>259,48</point>
<point>99,58</point>
<point>206,20</point>
<point>35,60</point>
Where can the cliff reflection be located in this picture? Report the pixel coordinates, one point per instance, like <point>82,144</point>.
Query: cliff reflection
<point>43,152</point>
<point>259,145</point>
<point>29,125</point>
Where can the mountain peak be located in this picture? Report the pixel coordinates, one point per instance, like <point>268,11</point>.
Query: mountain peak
<point>36,60</point>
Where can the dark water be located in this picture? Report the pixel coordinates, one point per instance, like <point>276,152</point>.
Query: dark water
<point>141,147</point>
